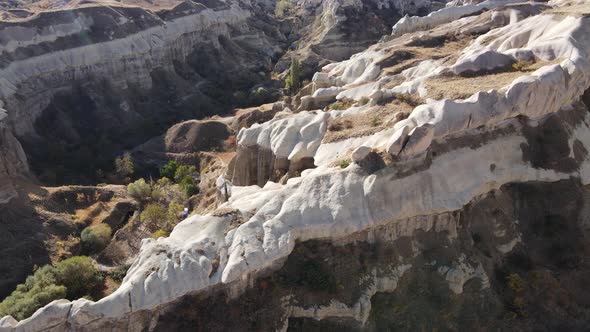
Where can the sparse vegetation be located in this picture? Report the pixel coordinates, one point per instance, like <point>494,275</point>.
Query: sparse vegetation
<point>119,273</point>
<point>96,237</point>
<point>282,8</point>
<point>408,99</point>
<point>516,283</point>
<point>184,171</point>
<point>293,80</point>
<point>139,190</point>
<point>173,215</point>
<point>340,125</point>
<point>522,65</point>
<point>169,169</point>
<point>72,278</point>
<point>159,233</point>
<point>154,214</point>
<point>341,105</point>
<point>188,186</point>
<point>124,166</point>
<point>364,101</point>
<point>375,121</point>
<point>344,163</point>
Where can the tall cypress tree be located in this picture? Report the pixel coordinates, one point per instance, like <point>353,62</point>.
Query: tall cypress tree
<point>293,80</point>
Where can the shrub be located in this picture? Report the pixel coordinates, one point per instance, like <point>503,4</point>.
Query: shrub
<point>344,163</point>
<point>516,283</point>
<point>79,275</point>
<point>408,99</point>
<point>282,8</point>
<point>341,105</point>
<point>174,210</point>
<point>335,126</point>
<point>169,169</point>
<point>71,278</point>
<point>188,186</point>
<point>185,171</point>
<point>159,233</point>
<point>163,182</point>
<point>124,165</point>
<point>521,65</point>
<point>119,273</point>
<point>375,121</point>
<point>153,214</point>
<point>156,195</point>
<point>293,80</point>
<point>139,190</point>
<point>23,302</point>
<point>96,237</point>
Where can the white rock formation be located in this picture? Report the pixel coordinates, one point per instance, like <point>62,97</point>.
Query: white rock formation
<point>294,137</point>
<point>331,203</point>
<point>415,23</point>
<point>124,60</point>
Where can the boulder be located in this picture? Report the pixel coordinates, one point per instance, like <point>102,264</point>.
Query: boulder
<point>398,140</point>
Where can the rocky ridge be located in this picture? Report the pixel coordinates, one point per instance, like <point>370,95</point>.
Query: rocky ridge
<point>429,172</point>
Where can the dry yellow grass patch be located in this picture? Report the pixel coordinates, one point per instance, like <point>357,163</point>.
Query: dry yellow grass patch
<point>95,213</point>
<point>376,119</point>
<point>449,52</point>
<point>576,9</point>
<point>457,87</point>
<point>262,108</point>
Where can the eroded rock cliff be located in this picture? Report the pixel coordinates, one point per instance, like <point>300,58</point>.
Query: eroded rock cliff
<point>439,191</point>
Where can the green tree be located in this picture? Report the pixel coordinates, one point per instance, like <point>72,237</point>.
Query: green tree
<point>293,80</point>
<point>72,278</point>
<point>154,214</point>
<point>174,210</point>
<point>184,171</point>
<point>124,165</point>
<point>188,186</point>
<point>96,237</point>
<point>79,275</point>
<point>169,169</point>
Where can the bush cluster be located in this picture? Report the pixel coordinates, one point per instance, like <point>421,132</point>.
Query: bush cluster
<point>185,176</point>
<point>140,190</point>
<point>71,278</point>
<point>96,237</point>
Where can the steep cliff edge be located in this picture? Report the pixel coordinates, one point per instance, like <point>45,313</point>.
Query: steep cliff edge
<point>430,203</point>
<point>96,79</point>
<point>82,81</point>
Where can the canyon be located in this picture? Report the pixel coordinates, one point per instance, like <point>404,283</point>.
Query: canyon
<point>431,173</point>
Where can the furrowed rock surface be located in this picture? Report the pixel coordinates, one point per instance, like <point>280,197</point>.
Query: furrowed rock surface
<point>469,188</point>
<point>122,73</point>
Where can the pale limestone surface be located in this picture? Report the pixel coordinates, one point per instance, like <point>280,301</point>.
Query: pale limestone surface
<point>331,203</point>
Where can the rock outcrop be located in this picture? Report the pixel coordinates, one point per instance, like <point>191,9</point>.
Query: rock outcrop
<point>13,161</point>
<point>122,73</point>
<point>469,193</point>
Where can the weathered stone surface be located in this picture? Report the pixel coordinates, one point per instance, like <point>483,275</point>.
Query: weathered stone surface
<point>474,198</point>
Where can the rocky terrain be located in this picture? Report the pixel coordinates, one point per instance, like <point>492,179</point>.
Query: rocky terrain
<point>433,178</point>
